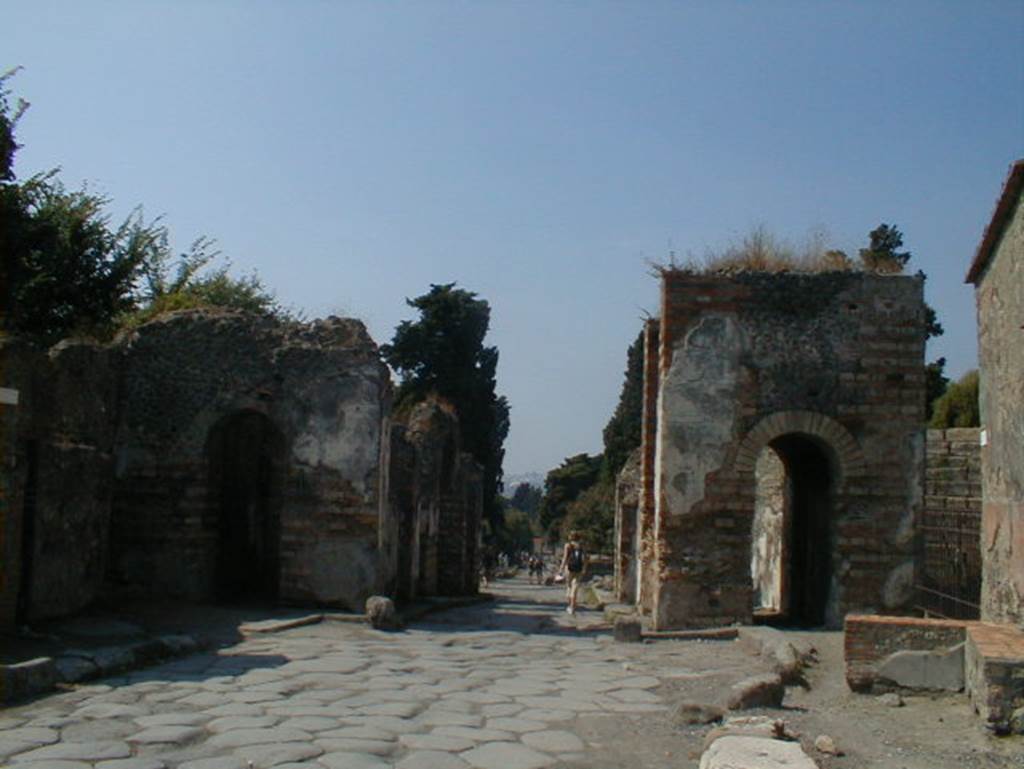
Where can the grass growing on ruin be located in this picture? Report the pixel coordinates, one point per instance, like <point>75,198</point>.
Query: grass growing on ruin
<point>760,250</point>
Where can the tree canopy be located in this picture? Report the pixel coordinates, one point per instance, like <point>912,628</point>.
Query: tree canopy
<point>622,433</point>
<point>882,253</point>
<point>443,352</point>
<point>958,406</point>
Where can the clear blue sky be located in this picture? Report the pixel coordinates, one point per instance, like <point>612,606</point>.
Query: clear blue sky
<point>538,153</point>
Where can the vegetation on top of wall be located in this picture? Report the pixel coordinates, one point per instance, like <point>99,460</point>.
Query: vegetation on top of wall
<point>958,406</point>
<point>66,269</point>
<point>760,250</point>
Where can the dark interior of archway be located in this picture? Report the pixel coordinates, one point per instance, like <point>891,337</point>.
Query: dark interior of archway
<point>808,566</point>
<point>243,450</point>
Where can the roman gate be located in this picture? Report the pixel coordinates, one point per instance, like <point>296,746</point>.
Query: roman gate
<point>783,452</point>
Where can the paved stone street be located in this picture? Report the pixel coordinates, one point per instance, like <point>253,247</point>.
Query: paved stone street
<point>496,687</point>
<point>514,684</point>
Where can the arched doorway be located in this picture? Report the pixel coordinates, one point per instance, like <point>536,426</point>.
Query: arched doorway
<point>792,539</point>
<point>245,453</point>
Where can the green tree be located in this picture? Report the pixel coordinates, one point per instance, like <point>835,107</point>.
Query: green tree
<point>882,253</point>
<point>622,433</point>
<point>443,352</point>
<point>935,383</point>
<point>592,514</point>
<point>958,407</point>
<point>563,485</point>
<point>526,497</point>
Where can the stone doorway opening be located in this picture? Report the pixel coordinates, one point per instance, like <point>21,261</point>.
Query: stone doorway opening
<point>792,537</point>
<point>245,453</point>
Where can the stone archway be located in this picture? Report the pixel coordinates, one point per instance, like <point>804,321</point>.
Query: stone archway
<point>802,461</point>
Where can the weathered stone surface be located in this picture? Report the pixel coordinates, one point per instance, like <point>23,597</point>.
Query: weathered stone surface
<point>825,744</point>
<point>26,679</point>
<point>80,751</point>
<point>71,669</point>
<point>506,755</point>
<point>764,691</point>
<point>132,763</point>
<point>697,713</point>
<point>930,670</point>
<point>553,741</point>
<point>743,752</point>
<point>431,759</point>
<point>167,734</point>
<point>348,760</point>
<point>891,700</point>
<point>266,756</point>
<point>241,737</point>
<point>628,630</point>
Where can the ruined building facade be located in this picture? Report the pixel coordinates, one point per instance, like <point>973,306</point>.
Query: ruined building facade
<point>806,389</point>
<point>213,455</point>
<point>997,273</point>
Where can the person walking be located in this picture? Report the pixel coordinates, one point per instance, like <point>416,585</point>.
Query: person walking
<point>574,562</point>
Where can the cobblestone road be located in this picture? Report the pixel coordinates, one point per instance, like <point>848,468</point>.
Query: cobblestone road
<point>496,687</point>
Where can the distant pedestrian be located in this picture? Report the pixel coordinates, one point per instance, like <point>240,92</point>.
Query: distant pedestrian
<point>536,568</point>
<point>574,562</point>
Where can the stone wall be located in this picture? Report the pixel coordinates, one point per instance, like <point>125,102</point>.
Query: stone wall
<point>645,539</point>
<point>1000,300</point>
<point>627,496</point>
<point>198,389</point>
<point>59,469</point>
<point>949,574</point>
<point>826,368</point>
<point>868,641</point>
<point>436,493</point>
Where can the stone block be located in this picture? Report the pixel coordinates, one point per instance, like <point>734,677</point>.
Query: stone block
<point>628,630</point>
<point>27,679</point>
<point>763,691</point>
<point>736,751</point>
<point>381,613</point>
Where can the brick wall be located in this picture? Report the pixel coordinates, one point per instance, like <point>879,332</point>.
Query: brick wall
<point>868,640</point>
<point>949,575</point>
<point>645,548</point>
<point>834,359</point>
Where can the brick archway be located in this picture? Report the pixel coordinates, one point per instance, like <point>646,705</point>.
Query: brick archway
<point>849,457</point>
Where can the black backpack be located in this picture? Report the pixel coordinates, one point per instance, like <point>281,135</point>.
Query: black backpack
<point>575,560</point>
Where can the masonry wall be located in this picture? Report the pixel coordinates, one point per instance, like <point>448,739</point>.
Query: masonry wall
<point>627,496</point>
<point>949,572</point>
<point>437,494</point>
<point>1000,301</point>
<point>745,360</point>
<point>645,547</point>
<point>59,465</point>
<point>324,395</point>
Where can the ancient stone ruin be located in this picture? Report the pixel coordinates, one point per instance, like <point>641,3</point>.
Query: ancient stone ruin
<point>212,455</point>
<point>783,453</point>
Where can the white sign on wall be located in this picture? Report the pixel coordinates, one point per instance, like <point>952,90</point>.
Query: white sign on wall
<point>8,397</point>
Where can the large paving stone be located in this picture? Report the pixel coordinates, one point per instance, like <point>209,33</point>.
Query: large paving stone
<point>355,745</point>
<point>517,725</point>
<point>221,762</point>
<point>231,723</point>
<point>440,742</point>
<point>54,765</point>
<point>431,759</point>
<point>175,735</point>
<point>172,719</point>
<point>33,735</point>
<point>506,755</point>
<point>476,735</point>
<point>553,741</point>
<point>132,763</point>
<point>437,717</point>
<point>239,738</point>
<point>10,748</point>
<point>78,751</point>
<point>346,760</point>
<point>266,756</point>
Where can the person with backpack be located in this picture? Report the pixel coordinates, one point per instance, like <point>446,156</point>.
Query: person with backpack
<point>574,561</point>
